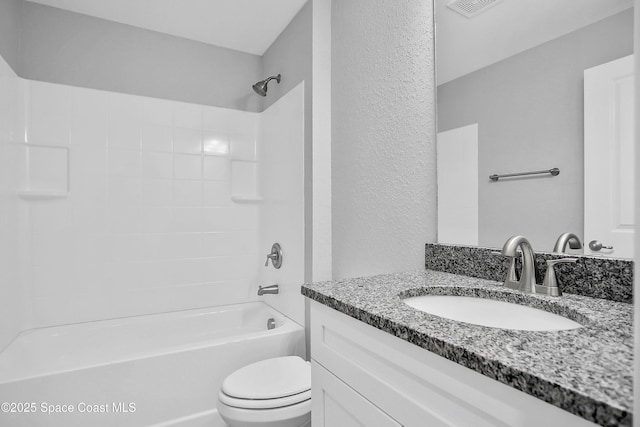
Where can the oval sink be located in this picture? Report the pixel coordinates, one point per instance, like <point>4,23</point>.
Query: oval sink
<point>487,312</point>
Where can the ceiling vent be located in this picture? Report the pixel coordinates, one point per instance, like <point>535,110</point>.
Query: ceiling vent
<point>471,8</point>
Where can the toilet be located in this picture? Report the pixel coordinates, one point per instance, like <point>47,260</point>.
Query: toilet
<point>270,393</point>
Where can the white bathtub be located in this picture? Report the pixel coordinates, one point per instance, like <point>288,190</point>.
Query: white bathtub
<point>157,370</point>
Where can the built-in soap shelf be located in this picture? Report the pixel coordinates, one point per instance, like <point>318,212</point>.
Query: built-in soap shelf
<point>34,195</point>
<point>46,172</point>
<point>244,182</point>
<point>246,199</point>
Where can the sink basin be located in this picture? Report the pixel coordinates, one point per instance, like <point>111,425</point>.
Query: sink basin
<point>492,313</point>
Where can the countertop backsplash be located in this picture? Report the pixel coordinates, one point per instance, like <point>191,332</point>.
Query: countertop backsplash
<point>592,276</point>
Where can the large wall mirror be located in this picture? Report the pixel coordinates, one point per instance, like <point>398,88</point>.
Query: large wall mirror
<point>535,86</point>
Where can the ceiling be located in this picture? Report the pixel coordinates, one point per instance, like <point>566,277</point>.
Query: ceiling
<point>246,25</point>
<point>464,45</point>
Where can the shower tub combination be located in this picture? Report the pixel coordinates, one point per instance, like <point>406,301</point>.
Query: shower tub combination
<point>156,370</point>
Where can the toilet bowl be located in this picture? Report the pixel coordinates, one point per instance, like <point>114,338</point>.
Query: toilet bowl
<point>270,393</point>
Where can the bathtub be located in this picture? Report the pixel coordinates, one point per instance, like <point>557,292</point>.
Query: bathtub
<point>159,370</point>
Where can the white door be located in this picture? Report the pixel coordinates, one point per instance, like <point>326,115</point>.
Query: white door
<point>609,158</point>
<point>457,166</point>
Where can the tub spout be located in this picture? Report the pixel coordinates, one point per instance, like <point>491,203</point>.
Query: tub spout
<point>272,289</point>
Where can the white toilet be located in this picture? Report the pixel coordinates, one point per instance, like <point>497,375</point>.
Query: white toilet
<point>270,393</point>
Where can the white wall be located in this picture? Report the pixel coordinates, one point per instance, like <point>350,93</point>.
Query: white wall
<point>383,135</point>
<point>59,46</point>
<point>148,225</point>
<point>9,31</point>
<point>281,178</point>
<point>135,205</point>
<point>636,289</point>
<point>458,185</point>
<point>13,214</point>
<point>320,193</point>
<point>291,55</point>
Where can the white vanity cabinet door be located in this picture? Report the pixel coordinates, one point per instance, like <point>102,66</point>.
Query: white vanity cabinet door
<point>335,404</point>
<point>415,387</point>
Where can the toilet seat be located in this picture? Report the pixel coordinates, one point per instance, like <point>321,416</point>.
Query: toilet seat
<point>269,379</point>
<point>264,403</point>
<point>270,393</point>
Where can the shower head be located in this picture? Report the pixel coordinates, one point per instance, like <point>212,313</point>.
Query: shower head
<point>261,87</point>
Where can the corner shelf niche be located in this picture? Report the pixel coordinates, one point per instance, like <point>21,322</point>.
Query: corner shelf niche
<point>244,182</point>
<point>237,198</point>
<point>46,173</point>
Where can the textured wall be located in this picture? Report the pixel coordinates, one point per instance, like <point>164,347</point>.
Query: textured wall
<point>383,146</point>
<point>529,108</point>
<point>58,46</point>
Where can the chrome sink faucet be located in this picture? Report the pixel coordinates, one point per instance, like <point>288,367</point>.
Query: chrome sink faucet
<point>527,281</point>
<point>567,239</point>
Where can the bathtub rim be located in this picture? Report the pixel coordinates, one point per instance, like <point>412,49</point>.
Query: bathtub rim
<point>288,326</point>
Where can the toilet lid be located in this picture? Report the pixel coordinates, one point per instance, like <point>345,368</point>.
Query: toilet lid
<point>269,379</point>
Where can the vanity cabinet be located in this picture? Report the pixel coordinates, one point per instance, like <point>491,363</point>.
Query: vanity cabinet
<point>362,376</point>
<point>337,404</point>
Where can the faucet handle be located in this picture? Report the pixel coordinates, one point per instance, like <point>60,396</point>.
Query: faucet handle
<point>512,273</point>
<point>266,263</point>
<point>275,256</point>
<point>550,283</point>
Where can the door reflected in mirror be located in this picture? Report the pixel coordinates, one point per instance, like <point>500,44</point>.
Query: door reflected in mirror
<point>511,99</point>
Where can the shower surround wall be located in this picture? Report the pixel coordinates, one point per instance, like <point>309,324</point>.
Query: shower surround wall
<point>140,205</point>
<point>125,201</point>
<point>13,214</point>
<point>148,224</point>
<point>281,184</point>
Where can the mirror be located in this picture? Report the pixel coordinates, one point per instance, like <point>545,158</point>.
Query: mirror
<point>511,99</point>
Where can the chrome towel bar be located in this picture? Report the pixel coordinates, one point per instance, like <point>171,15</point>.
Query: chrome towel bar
<point>553,172</point>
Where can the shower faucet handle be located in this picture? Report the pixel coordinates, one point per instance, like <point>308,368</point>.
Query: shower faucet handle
<point>275,256</point>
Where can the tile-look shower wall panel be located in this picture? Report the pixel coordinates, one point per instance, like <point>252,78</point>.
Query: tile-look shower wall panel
<point>148,225</point>
<point>13,216</point>
<point>281,172</point>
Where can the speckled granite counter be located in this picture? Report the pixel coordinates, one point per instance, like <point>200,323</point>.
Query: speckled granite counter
<point>586,371</point>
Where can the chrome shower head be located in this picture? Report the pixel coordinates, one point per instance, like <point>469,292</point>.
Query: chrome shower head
<point>261,87</point>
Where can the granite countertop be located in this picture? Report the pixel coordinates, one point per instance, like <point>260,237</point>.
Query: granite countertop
<point>587,371</point>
